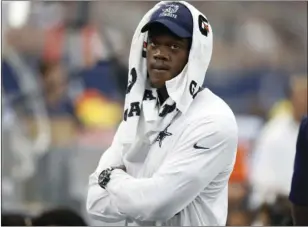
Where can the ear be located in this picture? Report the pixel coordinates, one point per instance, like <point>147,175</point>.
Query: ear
<point>144,49</point>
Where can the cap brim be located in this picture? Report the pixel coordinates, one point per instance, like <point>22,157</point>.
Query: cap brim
<point>173,27</point>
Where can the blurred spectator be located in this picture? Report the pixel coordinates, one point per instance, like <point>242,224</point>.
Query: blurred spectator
<point>54,85</point>
<point>53,217</point>
<point>59,217</point>
<point>275,149</point>
<point>262,216</point>
<point>280,213</point>
<point>101,78</point>
<point>9,80</point>
<point>94,110</point>
<point>276,214</point>
<point>240,216</point>
<point>15,219</point>
<point>238,187</point>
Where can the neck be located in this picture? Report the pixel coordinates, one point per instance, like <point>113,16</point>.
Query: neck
<point>162,94</point>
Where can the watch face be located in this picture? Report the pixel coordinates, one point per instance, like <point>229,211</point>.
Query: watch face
<point>101,177</point>
<point>104,178</point>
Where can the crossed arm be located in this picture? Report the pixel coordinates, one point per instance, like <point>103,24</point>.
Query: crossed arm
<point>185,172</point>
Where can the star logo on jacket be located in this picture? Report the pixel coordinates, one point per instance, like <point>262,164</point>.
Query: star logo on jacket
<point>162,135</point>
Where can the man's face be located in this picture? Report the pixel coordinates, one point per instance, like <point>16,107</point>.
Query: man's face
<point>167,55</point>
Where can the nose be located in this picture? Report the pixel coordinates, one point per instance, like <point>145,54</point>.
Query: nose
<point>160,54</point>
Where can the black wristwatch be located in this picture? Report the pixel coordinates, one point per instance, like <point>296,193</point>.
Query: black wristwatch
<point>104,177</point>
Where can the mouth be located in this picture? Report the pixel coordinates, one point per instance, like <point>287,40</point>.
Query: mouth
<point>160,68</point>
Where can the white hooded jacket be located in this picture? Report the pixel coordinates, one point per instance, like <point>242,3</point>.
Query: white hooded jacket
<point>180,178</point>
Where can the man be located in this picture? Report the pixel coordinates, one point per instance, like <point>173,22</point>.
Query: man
<point>271,178</point>
<point>176,169</point>
<point>299,187</point>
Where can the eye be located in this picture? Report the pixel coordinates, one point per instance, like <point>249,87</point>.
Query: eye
<point>174,47</point>
<point>152,44</point>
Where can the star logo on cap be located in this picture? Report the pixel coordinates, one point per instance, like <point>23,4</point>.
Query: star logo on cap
<point>169,11</point>
<point>171,8</point>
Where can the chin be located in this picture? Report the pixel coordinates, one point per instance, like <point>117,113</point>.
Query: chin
<point>158,80</point>
<point>156,85</point>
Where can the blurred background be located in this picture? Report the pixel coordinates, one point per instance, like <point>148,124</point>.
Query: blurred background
<point>64,75</point>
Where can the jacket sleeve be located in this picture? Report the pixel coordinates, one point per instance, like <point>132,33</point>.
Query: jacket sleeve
<point>203,151</point>
<point>99,205</point>
<point>299,186</point>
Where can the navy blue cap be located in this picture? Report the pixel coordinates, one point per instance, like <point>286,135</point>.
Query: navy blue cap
<point>176,17</point>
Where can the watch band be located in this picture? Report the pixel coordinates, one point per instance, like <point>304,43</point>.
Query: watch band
<point>104,177</point>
